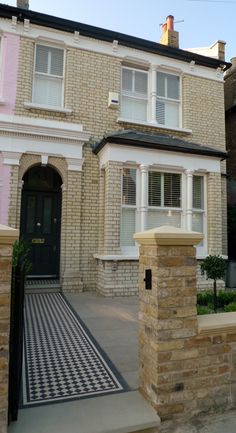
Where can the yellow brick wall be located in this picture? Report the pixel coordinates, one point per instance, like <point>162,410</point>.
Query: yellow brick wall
<point>89,78</point>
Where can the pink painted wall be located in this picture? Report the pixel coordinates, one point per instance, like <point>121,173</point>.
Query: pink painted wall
<point>10,48</point>
<point>5,176</point>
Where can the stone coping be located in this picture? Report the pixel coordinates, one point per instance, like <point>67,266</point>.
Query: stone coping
<point>168,235</point>
<point>8,235</point>
<point>116,257</point>
<point>220,323</point>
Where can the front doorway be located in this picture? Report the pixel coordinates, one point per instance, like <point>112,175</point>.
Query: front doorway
<point>41,220</point>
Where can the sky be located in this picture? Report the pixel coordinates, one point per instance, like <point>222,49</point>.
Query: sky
<point>204,22</point>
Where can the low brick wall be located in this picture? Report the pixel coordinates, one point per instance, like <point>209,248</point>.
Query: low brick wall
<point>117,278</point>
<point>7,237</point>
<point>187,364</point>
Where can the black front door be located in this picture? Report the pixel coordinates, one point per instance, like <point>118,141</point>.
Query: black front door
<point>40,226</point>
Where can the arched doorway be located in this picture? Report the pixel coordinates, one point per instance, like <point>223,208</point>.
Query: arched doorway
<point>41,220</point>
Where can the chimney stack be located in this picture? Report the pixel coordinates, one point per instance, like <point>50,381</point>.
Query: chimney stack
<point>23,4</point>
<point>169,36</point>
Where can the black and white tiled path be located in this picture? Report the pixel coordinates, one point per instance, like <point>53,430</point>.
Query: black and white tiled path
<point>62,361</point>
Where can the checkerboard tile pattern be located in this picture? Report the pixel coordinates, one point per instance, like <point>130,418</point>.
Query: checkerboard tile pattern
<point>62,361</point>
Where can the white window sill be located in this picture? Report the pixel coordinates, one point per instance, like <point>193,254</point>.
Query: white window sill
<point>32,105</point>
<point>154,125</point>
<point>2,101</point>
<point>116,257</point>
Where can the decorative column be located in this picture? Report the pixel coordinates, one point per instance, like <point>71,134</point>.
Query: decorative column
<point>168,319</point>
<point>144,196</point>
<point>189,199</point>
<point>153,93</point>
<point>7,238</point>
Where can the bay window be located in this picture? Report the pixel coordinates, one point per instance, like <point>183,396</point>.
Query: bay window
<point>48,76</point>
<point>152,198</point>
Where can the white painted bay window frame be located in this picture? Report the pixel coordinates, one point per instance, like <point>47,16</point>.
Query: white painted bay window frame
<point>49,77</point>
<point>185,210</point>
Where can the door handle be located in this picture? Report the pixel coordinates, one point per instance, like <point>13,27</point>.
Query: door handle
<point>38,224</point>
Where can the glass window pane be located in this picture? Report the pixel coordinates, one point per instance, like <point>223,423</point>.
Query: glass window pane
<point>31,214</point>
<point>127,78</point>
<point>154,188</point>
<point>172,87</point>
<point>41,62</point>
<point>198,202</point>
<point>127,228</point>
<point>56,61</point>
<point>172,114</point>
<point>129,186</point>
<point>47,91</point>
<point>172,190</point>
<point>157,218</point>
<point>133,109</point>
<point>140,82</point>
<point>161,84</point>
<point>197,224</point>
<point>160,112</point>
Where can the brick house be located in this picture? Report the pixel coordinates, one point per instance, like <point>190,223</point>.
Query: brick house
<point>103,135</point>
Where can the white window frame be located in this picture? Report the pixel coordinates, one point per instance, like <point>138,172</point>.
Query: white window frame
<point>126,93</point>
<point>170,100</point>
<point>132,248</point>
<point>167,208</point>
<point>202,248</point>
<point>49,76</point>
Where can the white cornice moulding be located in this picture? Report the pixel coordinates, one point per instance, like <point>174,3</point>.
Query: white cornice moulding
<point>19,125</point>
<point>11,158</point>
<point>75,164</point>
<point>103,47</point>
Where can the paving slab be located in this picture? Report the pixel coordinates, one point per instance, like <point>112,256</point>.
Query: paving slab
<point>121,413</point>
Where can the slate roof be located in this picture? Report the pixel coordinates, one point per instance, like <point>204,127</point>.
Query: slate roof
<point>157,141</point>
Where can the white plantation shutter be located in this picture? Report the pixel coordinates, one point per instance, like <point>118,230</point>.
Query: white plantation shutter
<point>154,188</point>
<point>172,190</point>
<point>198,204</point>
<point>164,191</point>
<point>134,95</point>
<point>48,78</point>
<point>198,192</point>
<point>128,212</point>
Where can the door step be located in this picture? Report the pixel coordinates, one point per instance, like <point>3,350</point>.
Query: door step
<point>34,286</point>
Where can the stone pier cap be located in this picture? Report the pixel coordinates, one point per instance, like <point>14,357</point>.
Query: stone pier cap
<point>8,235</point>
<point>168,235</point>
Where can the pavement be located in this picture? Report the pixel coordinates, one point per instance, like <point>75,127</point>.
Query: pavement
<point>114,324</point>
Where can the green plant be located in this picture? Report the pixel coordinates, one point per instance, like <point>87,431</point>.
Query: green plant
<point>203,309</point>
<point>226,297</point>
<point>214,268</point>
<point>205,298</point>
<point>21,250</point>
<point>230,307</point>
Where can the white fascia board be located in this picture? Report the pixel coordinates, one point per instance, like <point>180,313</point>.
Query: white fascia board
<point>152,157</point>
<point>34,145</point>
<point>21,125</point>
<point>42,34</point>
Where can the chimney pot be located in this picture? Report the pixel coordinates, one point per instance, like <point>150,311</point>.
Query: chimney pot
<point>170,22</point>
<point>23,4</point>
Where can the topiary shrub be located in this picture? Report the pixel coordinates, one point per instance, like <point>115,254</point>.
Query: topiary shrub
<point>214,267</point>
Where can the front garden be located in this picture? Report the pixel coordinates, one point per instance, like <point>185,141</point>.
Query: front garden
<point>226,301</point>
